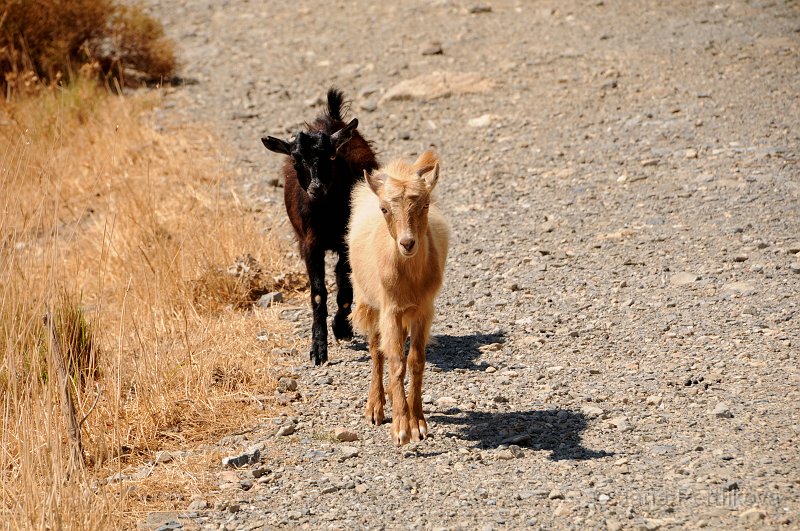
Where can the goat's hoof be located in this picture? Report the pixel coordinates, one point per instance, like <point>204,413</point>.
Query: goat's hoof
<point>400,430</point>
<point>374,412</point>
<point>342,329</point>
<point>319,354</point>
<point>419,429</point>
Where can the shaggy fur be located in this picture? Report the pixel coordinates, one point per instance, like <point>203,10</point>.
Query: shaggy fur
<point>398,242</point>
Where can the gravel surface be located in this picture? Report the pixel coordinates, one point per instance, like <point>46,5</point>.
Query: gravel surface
<point>617,339</point>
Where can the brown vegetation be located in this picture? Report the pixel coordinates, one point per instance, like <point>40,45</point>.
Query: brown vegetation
<point>50,40</point>
<point>126,235</point>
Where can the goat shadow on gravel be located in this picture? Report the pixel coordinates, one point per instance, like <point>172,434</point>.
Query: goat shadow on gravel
<point>555,430</point>
<point>460,352</point>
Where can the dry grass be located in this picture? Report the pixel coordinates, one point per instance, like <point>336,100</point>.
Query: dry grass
<point>126,234</point>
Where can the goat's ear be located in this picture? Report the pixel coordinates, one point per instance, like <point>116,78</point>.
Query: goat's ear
<point>277,145</point>
<point>375,181</point>
<point>430,175</point>
<point>343,135</point>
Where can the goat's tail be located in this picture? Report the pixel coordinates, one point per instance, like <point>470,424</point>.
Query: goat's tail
<point>336,104</point>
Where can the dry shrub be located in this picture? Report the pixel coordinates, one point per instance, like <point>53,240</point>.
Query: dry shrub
<point>50,40</point>
<point>117,227</point>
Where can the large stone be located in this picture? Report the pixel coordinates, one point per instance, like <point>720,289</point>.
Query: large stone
<point>740,288</point>
<point>682,279</point>
<point>345,435</point>
<point>348,452</point>
<point>251,455</point>
<point>438,85</point>
<point>722,411</point>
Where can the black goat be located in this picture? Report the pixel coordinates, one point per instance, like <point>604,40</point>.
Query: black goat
<point>325,161</point>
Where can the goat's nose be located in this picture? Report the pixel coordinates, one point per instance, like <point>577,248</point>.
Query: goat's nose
<point>408,243</point>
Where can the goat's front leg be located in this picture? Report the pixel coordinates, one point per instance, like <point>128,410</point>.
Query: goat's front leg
<point>342,329</point>
<point>420,331</point>
<point>315,265</point>
<point>393,344</point>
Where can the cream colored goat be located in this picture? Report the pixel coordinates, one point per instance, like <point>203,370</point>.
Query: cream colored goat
<point>398,246</point>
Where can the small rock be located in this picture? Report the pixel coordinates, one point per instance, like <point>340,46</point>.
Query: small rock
<point>313,102</point>
<point>613,525</point>
<point>691,154</point>
<point>434,48</point>
<point>288,429</point>
<point>731,486</point>
<point>348,452</point>
<point>287,385</point>
<point>795,267</point>
<point>369,105</point>
<point>554,369</point>
<point>368,91</point>
<point>505,454</point>
<point>740,258</point>
<point>265,301</point>
<point>621,423</point>
<point>329,489</point>
<point>682,279</point>
<point>446,402</point>
<point>252,455</point>
<point>490,369</point>
<point>650,162</point>
<point>722,411</point>
<point>164,457</point>
<point>752,516</point>
<point>480,8</point>
<point>555,494</point>
<point>361,488</point>
<point>405,135</point>
<point>591,412</point>
<point>563,509</point>
<point>481,121</point>
<point>260,472</point>
<point>198,504</point>
<point>654,400</point>
<point>345,435</point>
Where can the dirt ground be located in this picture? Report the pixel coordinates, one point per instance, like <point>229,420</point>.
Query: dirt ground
<point>617,340</point>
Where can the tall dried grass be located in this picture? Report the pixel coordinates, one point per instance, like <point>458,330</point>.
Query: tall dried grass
<point>125,233</point>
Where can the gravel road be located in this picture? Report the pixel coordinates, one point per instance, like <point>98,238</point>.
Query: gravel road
<point>618,337</point>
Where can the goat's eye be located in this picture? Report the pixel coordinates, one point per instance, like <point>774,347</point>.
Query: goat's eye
<point>333,157</point>
<point>383,209</point>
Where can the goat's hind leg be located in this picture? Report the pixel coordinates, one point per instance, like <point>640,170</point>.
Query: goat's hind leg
<point>342,329</point>
<point>366,320</point>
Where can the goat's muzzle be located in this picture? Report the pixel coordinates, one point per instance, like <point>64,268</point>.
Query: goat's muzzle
<point>408,246</point>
